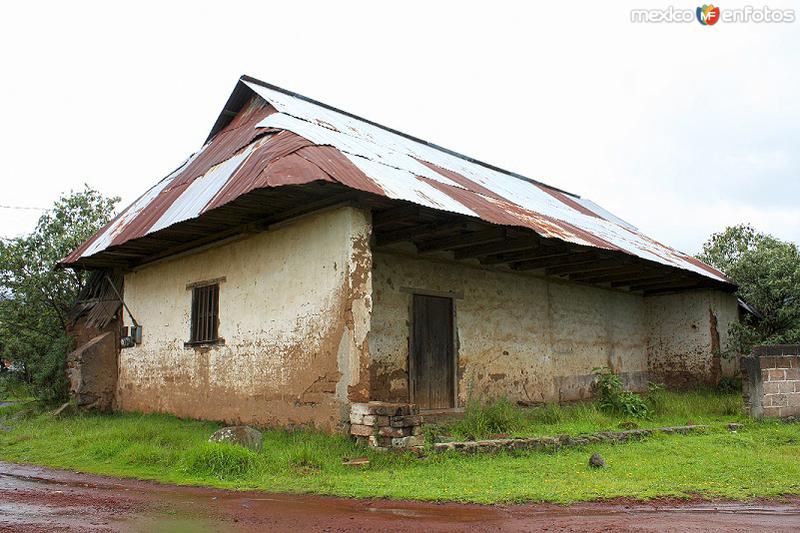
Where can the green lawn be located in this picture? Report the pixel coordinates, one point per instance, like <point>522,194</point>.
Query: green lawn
<point>761,459</point>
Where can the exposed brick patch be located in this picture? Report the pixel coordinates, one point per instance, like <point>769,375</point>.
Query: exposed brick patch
<point>771,383</point>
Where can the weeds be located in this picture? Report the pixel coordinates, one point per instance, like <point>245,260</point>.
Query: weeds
<point>613,398</point>
<point>498,418</point>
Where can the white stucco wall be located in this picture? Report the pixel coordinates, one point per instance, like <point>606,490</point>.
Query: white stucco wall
<point>312,319</point>
<point>293,312</point>
<point>530,338</point>
<point>521,337</point>
<point>688,332</point>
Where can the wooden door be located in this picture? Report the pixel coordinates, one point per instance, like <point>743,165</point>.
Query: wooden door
<point>432,360</point>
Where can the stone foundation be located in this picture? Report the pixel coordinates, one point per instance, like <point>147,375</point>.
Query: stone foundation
<point>564,441</point>
<point>386,425</point>
<point>771,381</point>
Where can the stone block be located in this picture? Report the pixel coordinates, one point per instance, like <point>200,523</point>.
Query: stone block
<point>239,435</point>
<point>772,388</point>
<point>784,387</point>
<point>359,409</point>
<point>361,430</point>
<point>387,409</point>
<point>794,399</point>
<point>792,373</point>
<point>387,431</point>
<point>356,418</point>
<point>779,400</point>
<point>405,421</point>
<point>380,442</point>
<point>376,420</point>
<point>770,411</point>
<point>443,446</point>
<point>406,442</point>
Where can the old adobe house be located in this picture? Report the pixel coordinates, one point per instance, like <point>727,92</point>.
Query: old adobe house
<point>306,258</point>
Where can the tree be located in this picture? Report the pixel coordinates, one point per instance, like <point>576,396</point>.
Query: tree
<point>767,271</point>
<point>37,296</point>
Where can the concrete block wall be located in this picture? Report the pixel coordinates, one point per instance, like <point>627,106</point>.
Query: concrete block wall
<point>771,381</point>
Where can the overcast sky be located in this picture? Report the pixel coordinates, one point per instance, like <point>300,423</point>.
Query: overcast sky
<point>680,129</point>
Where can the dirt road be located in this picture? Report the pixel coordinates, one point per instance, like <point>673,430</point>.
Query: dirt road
<point>40,499</point>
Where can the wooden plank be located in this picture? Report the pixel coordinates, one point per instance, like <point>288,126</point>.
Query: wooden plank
<point>638,279</point>
<point>403,213</point>
<point>591,265</point>
<point>458,241</point>
<point>550,260</point>
<point>612,273</point>
<point>673,284</point>
<point>662,290</point>
<point>502,247</point>
<point>407,234</point>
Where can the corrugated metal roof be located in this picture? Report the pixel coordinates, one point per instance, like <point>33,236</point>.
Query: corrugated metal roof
<point>280,138</point>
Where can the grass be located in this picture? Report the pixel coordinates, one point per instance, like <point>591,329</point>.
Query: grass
<point>13,390</point>
<point>666,409</point>
<point>762,459</point>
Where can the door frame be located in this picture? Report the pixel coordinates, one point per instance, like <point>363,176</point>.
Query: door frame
<point>453,297</point>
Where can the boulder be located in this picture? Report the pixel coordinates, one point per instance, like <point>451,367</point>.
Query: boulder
<point>239,435</point>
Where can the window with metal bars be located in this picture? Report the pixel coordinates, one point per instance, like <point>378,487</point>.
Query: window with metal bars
<point>205,314</point>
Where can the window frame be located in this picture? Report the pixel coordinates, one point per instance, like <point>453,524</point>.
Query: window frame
<point>205,308</point>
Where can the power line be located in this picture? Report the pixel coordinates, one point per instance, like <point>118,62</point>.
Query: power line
<point>23,207</point>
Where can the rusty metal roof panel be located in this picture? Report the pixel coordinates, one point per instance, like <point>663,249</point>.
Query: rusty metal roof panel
<point>316,142</point>
<point>200,191</point>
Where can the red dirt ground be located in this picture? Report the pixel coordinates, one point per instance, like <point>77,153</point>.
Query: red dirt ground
<point>41,499</point>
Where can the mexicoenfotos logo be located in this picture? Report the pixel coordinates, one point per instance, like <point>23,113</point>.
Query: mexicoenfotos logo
<point>707,15</point>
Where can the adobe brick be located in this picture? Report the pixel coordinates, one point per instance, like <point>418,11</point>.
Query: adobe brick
<point>361,430</point>
<point>394,432</point>
<point>776,375</point>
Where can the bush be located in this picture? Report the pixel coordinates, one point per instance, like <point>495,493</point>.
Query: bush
<point>613,398</point>
<point>480,421</point>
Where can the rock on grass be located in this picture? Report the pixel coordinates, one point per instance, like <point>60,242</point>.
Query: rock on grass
<point>240,435</point>
<point>596,461</point>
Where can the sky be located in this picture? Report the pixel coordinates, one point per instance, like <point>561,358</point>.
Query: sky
<point>680,129</point>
